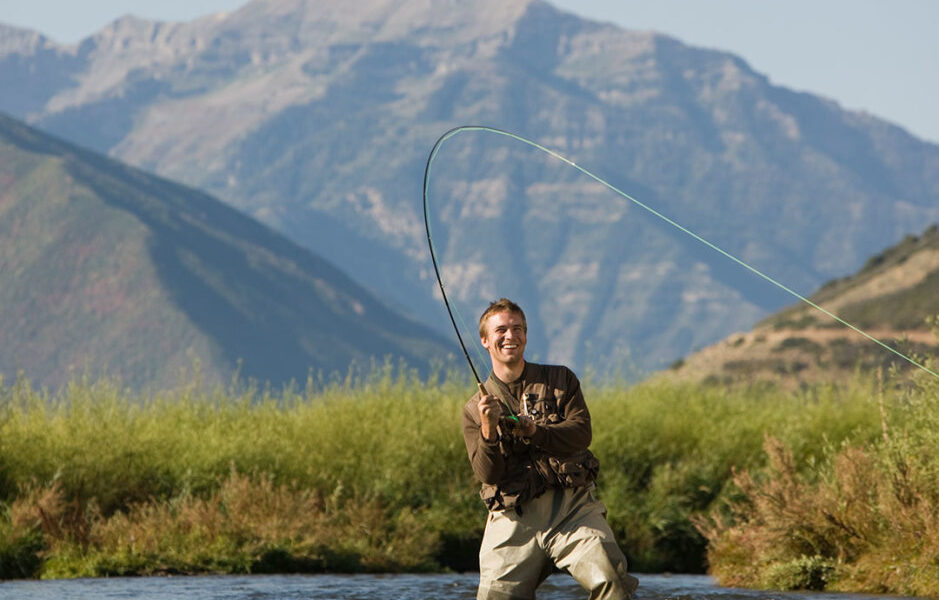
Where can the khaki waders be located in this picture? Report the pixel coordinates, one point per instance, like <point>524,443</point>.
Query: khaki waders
<point>563,527</point>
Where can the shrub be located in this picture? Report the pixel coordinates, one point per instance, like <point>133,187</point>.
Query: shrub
<point>861,519</point>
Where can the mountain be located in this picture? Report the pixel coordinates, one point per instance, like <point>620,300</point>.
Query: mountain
<point>894,298</point>
<point>317,117</point>
<point>106,269</point>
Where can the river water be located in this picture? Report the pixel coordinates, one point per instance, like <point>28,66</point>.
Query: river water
<point>369,587</point>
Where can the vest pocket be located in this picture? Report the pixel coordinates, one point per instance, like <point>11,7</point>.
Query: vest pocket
<point>545,411</point>
<point>578,470</point>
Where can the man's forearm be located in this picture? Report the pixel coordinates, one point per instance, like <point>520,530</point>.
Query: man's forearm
<point>563,439</point>
<point>485,456</point>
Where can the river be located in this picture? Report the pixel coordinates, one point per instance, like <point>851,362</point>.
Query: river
<point>369,587</point>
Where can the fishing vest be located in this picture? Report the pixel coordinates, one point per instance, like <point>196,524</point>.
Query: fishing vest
<point>529,470</point>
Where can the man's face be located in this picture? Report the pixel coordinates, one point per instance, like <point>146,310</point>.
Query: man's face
<point>505,337</point>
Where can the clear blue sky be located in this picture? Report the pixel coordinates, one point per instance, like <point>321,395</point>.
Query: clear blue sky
<point>875,55</point>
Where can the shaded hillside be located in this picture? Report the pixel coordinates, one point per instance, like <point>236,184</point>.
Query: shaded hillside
<point>894,298</point>
<point>316,117</point>
<point>104,268</point>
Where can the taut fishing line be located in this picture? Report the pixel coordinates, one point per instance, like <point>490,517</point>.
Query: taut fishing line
<point>433,254</point>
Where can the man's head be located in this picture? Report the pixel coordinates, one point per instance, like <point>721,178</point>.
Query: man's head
<point>500,305</point>
<point>503,331</point>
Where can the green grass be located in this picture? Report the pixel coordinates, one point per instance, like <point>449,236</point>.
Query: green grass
<point>370,473</point>
<point>668,452</point>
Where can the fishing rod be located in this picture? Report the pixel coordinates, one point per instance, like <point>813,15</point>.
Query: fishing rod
<point>452,132</point>
<point>433,258</point>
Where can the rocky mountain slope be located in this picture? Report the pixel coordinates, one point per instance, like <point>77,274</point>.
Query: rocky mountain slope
<point>106,269</point>
<point>317,117</point>
<point>894,298</point>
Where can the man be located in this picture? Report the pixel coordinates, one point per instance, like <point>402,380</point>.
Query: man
<point>526,431</point>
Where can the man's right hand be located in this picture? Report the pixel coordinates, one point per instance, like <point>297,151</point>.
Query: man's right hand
<point>490,409</point>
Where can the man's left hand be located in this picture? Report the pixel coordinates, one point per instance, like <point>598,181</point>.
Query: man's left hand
<point>525,427</point>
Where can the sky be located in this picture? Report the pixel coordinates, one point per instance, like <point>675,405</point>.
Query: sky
<point>872,55</point>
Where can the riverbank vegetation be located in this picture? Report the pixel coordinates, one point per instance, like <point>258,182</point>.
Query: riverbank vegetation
<point>828,486</point>
<point>863,516</point>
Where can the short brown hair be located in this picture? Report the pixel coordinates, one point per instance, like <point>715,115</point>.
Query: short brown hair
<point>500,305</point>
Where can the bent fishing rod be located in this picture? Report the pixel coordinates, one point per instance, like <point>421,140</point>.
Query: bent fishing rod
<point>482,128</point>
<point>433,258</point>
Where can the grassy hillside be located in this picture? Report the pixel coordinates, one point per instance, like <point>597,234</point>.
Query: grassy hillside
<point>894,298</point>
<point>105,269</point>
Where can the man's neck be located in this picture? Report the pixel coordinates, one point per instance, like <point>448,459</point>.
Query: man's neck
<point>508,373</point>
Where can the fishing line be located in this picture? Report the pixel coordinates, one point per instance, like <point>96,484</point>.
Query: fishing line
<point>754,270</point>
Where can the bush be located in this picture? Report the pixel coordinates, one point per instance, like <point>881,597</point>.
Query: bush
<point>861,519</point>
<point>668,452</point>
<point>803,573</point>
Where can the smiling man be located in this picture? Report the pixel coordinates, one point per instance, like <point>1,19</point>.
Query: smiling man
<point>527,431</point>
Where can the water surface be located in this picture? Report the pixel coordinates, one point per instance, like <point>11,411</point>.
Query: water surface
<point>370,587</point>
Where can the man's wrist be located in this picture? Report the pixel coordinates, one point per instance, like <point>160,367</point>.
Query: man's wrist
<point>491,440</point>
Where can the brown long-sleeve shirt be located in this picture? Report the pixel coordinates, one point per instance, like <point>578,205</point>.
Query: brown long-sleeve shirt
<point>511,469</point>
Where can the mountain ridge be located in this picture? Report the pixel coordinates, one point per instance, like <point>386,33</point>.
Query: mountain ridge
<point>188,281</point>
<point>892,298</point>
<point>319,127</point>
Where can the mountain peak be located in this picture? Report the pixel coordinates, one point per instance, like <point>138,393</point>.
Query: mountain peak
<point>380,19</point>
<point>16,40</point>
<point>130,32</point>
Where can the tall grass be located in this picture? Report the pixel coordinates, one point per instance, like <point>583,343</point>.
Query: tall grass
<point>365,474</point>
<point>668,452</point>
<point>75,465</point>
